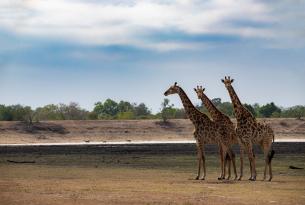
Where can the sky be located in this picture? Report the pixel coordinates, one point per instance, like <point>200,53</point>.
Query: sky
<point>85,51</point>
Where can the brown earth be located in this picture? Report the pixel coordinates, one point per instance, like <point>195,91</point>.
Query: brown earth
<point>86,179</point>
<point>123,130</point>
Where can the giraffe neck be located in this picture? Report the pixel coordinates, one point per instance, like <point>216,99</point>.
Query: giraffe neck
<point>190,109</point>
<point>239,110</point>
<point>214,112</point>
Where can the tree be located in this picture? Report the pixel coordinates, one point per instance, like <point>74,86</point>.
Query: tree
<point>106,110</point>
<point>167,110</point>
<point>256,108</point>
<point>124,106</point>
<point>216,101</point>
<point>226,108</point>
<point>297,111</point>
<point>180,113</point>
<point>16,113</point>
<point>202,108</point>
<point>75,112</point>
<point>48,112</point>
<point>110,107</point>
<point>141,111</point>
<point>72,112</point>
<point>19,112</point>
<point>268,109</point>
<point>6,113</point>
<point>251,109</point>
<point>28,115</point>
<point>128,115</point>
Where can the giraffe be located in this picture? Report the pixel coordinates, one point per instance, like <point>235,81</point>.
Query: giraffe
<point>206,131</point>
<point>250,132</point>
<point>228,129</point>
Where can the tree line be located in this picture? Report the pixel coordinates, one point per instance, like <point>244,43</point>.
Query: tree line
<point>110,109</point>
<point>269,110</point>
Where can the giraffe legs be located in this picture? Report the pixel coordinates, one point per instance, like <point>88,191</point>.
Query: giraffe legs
<point>233,163</point>
<point>227,156</point>
<point>229,168</point>
<point>241,151</point>
<point>268,154</point>
<point>199,156</point>
<point>252,162</point>
<point>226,159</point>
<point>231,157</point>
<point>270,171</point>
<point>222,163</point>
<point>203,162</point>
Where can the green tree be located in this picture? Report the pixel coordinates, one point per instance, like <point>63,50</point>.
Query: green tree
<point>6,113</point>
<point>297,111</point>
<point>107,110</point>
<point>92,116</point>
<point>128,115</point>
<point>268,109</point>
<point>48,112</point>
<point>167,110</point>
<point>202,108</point>
<point>124,106</point>
<point>72,112</point>
<point>251,109</point>
<point>15,112</point>
<point>110,107</point>
<point>226,108</point>
<point>180,113</point>
<point>141,111</point>
<point>216,101</point>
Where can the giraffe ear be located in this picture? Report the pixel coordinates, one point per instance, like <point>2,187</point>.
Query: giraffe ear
<point>195,90</point>
<point>222,80</point>
<point>232,80</point>
<point>203,89</point>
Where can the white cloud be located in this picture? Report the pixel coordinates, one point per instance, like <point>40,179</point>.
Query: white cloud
<point>127,23</point>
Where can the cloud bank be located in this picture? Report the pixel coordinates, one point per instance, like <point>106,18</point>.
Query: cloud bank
<point>154,24</point>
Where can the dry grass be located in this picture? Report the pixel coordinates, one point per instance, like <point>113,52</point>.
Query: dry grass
<point>145,179</point>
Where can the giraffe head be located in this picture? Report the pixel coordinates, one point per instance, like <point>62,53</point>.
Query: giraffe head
<point>172,90</point>
<point>227,81</point>
<point>199,90</point>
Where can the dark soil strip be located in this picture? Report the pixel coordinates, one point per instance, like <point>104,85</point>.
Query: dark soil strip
<point>21,162</point>
<point>293,167</point>
<point>156,149</point>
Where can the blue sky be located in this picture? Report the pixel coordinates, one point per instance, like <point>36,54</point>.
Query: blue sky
<point>87,51</point>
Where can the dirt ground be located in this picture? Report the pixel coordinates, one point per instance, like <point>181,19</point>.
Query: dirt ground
<point>142,179</point>
<point>123,130</point>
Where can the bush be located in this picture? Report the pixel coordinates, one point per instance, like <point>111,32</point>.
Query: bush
<point>268,109</point>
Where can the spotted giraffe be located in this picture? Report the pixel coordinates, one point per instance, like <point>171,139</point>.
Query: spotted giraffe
<point>228,136</point>
<point>250,132</point>
<point>206,131</point>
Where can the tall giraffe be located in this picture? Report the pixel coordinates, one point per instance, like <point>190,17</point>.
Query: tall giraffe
<point>206,131</point>
<point>228,136</point>
<point>250,132</point>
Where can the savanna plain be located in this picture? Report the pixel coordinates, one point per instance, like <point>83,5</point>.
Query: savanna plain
<point>138,178</point>
<point>142,179</point>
